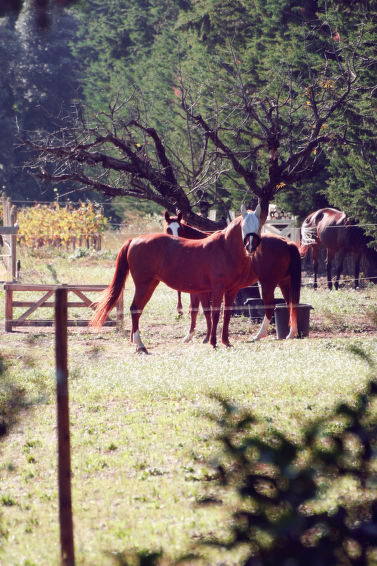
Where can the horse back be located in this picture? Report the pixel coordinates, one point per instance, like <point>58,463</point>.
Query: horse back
<point>187,265</point>
<point>187,231</point>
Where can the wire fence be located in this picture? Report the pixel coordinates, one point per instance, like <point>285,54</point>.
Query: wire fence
<point>121,224</point>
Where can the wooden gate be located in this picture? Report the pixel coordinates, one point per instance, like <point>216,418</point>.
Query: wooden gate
<point>281,223</point>
<point>47,291</point>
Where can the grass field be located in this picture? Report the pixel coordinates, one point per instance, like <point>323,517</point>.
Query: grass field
<point>141,442</point>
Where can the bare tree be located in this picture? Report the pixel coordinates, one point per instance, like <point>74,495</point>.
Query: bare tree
<point>259,139</point>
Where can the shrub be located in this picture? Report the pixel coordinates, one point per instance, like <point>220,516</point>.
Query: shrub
<point>311,503</point>
<point>291,509</point>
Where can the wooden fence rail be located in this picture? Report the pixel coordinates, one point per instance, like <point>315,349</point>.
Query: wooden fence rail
<point>47,291</point>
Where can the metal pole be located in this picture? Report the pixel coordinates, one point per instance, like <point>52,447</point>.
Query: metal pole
<point>64,450</point>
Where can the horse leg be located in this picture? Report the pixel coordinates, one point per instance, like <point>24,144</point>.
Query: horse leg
<point>205,300</point>
<point>229,298</point>
<point>285,290</point>
<point>179,304</point>
<point>329,258</point>
<point>315,255</point>
<point>141,297</point>
<point>194,308</point>
<point>216,299</point>
<point>269,305</point>
<point>339,269</point>
<point>357,271</point>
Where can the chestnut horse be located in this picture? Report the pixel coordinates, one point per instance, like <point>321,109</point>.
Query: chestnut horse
<point>175,226</point>
<point>218,264</point>
<point>276,262</point>
<point>332,229</point>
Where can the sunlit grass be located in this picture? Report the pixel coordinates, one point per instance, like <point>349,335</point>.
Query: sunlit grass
<point>140,440</point>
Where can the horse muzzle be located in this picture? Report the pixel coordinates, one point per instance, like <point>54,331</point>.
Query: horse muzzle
<point>251,242</point>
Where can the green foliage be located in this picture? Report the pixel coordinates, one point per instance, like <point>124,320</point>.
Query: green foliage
<point>284,487</point>
<point>311,39</point>
<point>205,48</point>
<point>38,79</point>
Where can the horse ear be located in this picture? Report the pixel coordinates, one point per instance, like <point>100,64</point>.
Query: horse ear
<point>167,216</point>
<point>180,216</point>
<point>243,209</point>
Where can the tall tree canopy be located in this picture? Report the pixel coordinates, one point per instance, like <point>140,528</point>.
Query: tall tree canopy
<point>222,102</point>
<point>208,103</point>
<point>38,78</point>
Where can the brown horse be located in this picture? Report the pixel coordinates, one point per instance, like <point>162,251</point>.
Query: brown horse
<point>276,262</point>
<point>176,226</point>
<point>332,229</point>
<point>218,265</point>
<point>173,226</point>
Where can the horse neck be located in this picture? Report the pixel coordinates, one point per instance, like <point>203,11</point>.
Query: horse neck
<point>187,231</point>
<point>233,236</point>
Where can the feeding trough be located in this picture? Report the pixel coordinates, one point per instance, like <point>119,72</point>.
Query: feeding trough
<point>282,320</point>
<point>256,309</point>
<point>241,303</point>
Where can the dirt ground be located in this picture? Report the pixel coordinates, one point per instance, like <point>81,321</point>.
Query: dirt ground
<point>162,338</point>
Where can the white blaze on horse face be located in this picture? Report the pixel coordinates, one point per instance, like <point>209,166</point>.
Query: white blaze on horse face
<point>174,227</point>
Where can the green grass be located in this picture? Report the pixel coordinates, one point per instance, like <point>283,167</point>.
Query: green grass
<point>140,440</point>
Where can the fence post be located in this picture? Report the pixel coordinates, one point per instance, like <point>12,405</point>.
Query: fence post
<point>9,231</point>
<point>13,243</point>
<point>8,310</point>
<point>64,449</point>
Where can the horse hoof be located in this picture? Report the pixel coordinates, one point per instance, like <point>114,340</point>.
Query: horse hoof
<point>141,350</point>
<point>291,336</point>
<point>188,338</point>
<point>205,340</point>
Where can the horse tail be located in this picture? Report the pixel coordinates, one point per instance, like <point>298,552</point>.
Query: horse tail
<point>295,285</point>
<point>303,250</point>
<point>308,231</point>
<point>113,291</point>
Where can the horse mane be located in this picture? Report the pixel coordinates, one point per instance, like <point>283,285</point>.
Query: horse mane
<point>309,233</point>
<point>193,233</point>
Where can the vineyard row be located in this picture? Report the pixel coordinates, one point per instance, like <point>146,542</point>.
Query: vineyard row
<point>57,226</point>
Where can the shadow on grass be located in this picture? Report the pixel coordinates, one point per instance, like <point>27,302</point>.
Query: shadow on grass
<point>12,400</point>
<point>312,502</point>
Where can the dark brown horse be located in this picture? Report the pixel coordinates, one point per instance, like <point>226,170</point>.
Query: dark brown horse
<point>332,229</point>
<point>275,262</point>
<point>218,265</point>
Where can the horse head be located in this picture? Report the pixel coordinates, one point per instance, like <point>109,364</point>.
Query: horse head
<point>251,228</point>
<point>173,223</point>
